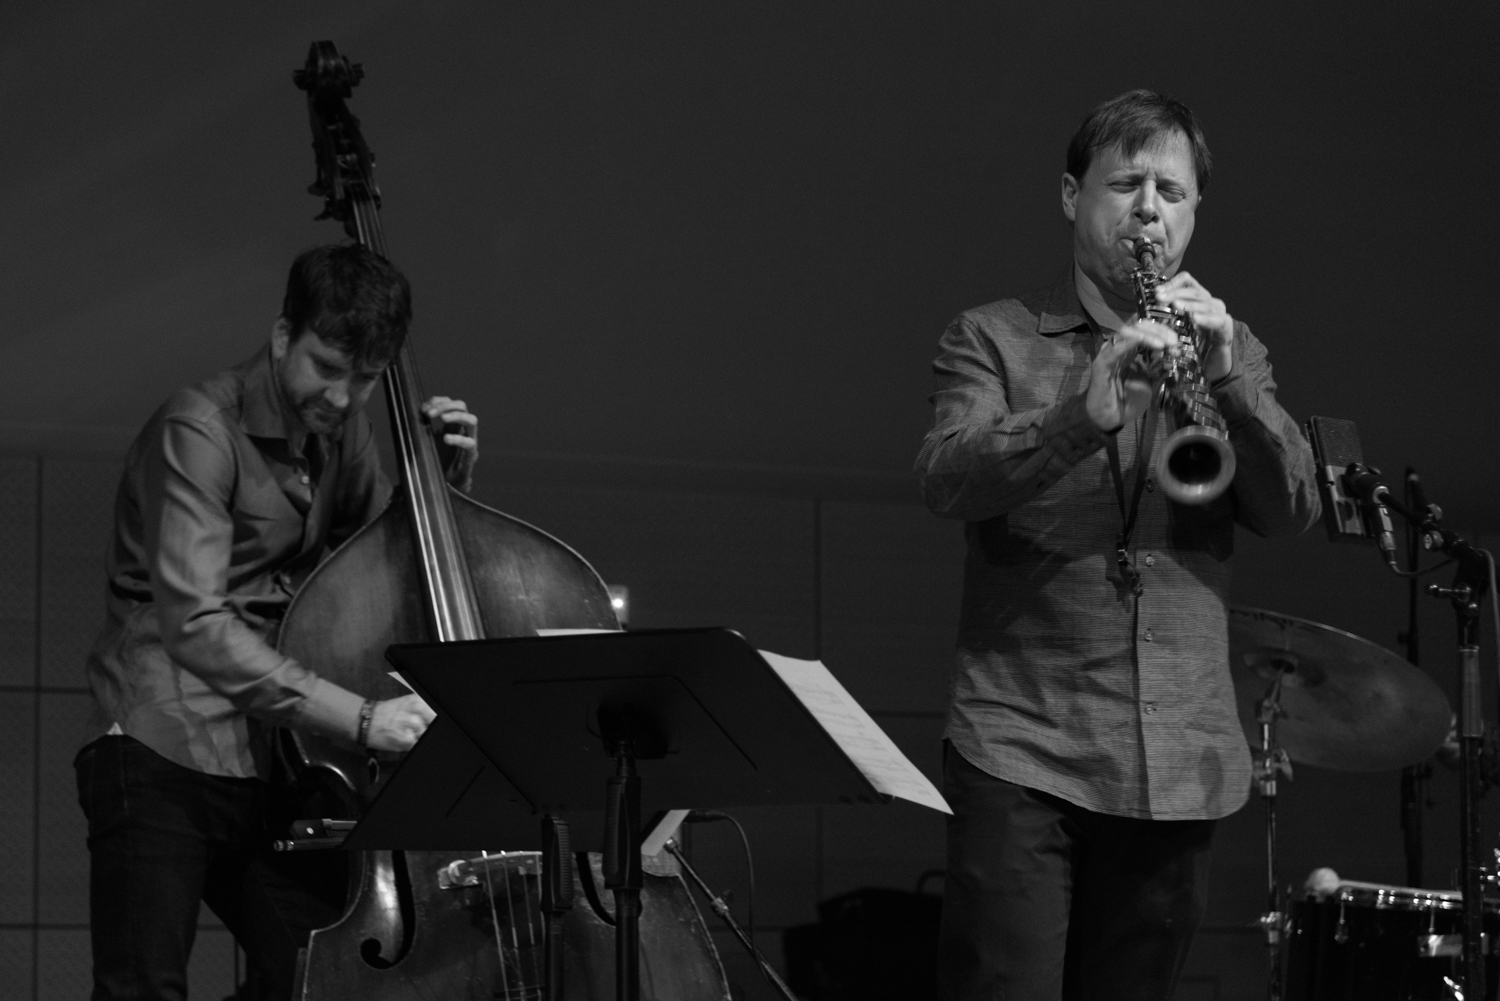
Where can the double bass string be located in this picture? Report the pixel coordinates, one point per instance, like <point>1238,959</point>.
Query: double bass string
<point>489,888</point>
<point>536,962</point>
<point>369,233</point>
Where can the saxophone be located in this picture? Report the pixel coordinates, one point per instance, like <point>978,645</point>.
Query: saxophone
<point>1196,464</point>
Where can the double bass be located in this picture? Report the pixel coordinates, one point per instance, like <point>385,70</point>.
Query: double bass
<point>437,565</point>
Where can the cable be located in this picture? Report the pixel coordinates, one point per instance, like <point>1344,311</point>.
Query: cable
<point>1417,573</point>
<point>750,863</point>
<point>709,816</point>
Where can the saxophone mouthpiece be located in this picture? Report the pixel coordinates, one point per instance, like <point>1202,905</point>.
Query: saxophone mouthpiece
<point>1145,254</point>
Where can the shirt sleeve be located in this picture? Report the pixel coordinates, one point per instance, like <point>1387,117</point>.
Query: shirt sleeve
<point>189,537</point>
<point>1275,486</point>
<point>981,459</point>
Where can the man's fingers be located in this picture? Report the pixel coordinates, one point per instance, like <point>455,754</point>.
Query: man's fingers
<point>456,417</point>
<point>417,706</point>
<point>441,410</point>
<point>1181,280</point>
<point>1146,335</point>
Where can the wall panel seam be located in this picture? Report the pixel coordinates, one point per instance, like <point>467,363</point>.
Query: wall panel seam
<point>41,689</point>
<point>36,736</point>
<point>817,655</point>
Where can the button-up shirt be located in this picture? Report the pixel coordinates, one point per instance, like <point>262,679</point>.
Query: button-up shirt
<point>224,508</point>
<point>1065,681</point>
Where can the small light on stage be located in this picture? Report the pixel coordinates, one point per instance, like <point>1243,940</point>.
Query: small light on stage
<point>619,600</point>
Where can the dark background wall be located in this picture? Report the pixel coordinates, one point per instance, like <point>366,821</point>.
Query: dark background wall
<point>689,263</point>
<point>730,233</point>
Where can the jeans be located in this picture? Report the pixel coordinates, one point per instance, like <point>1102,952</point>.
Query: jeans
<point>1045,900</point>
<point>161,839</point>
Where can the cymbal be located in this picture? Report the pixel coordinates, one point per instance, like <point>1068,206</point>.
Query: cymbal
<point>1350,704</point>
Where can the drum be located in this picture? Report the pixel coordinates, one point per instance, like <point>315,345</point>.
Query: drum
<point>1370,942</point>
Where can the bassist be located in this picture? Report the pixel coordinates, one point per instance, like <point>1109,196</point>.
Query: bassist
<point>232,493</point>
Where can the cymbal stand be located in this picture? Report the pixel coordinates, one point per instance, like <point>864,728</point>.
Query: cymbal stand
<point>1414,778</point>
<point>1270,763</point>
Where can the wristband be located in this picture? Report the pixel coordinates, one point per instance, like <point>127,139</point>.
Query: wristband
<point>366,712</point>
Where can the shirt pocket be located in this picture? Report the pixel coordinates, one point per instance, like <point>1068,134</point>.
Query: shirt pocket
<point>265,525</point>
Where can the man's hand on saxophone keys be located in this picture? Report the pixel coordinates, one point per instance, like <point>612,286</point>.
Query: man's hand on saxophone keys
<point>1183,292</point>
<point>1120,386</point>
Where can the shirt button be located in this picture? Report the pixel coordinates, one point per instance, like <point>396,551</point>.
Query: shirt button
<point>1149,708</point>
<point>1150,484</point>
<point>304,478</point>
<point>1150,560</point>
<point>1147,636</point>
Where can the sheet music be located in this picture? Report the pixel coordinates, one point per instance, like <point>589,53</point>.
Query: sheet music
<point>572,632</point>
<point>860,737</point>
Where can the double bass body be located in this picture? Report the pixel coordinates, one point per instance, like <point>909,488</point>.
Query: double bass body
<point>436,565</point>
<point>371,594</point>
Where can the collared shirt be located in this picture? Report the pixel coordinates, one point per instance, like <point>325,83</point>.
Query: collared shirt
<point>1093,303</point>
<point>1064,680</point>
<point>223,510</point>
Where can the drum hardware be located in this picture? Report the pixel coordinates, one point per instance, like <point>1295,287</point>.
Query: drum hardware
<point>1322,697</point>
<point>1357,505</point>
<point>1271,763</point>
<point>1347,704</point>
<point>1374,942</point>
<point>1448,946</point>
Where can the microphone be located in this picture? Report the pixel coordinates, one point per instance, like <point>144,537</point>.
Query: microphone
<point>1335,446</point>
<point>1354,495</point>
<point>1365,483</point>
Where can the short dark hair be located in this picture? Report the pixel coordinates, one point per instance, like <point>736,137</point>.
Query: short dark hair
<point>1134,120</point>
<point>352,298</point>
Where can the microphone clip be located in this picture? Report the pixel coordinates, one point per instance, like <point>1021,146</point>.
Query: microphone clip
<point>1364,484</point>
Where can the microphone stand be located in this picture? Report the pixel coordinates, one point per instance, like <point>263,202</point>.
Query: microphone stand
<point>1470,585</point>
<point>721,908</point>
<point>1414,778</point>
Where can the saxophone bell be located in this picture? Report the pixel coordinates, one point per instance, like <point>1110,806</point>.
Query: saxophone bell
<point>1196,464</point>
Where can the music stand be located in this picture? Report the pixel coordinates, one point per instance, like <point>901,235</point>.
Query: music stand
<point>445,795</point>
<point>659,718</point>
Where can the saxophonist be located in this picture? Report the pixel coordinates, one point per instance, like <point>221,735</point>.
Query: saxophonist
<point>1092,739</point>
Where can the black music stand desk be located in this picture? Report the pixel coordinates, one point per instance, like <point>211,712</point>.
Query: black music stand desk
<point>662,719</point>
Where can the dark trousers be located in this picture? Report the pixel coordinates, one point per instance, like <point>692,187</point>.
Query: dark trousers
<point>162,838</point>
<point>1045,900</point>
